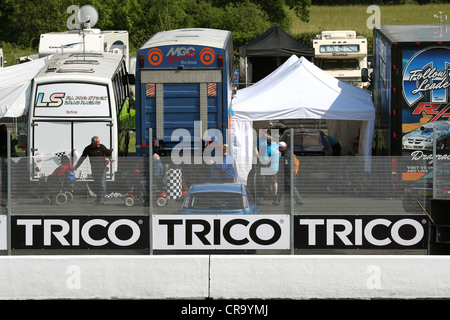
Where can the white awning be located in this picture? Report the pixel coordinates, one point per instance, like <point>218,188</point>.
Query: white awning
<point>16,86</point>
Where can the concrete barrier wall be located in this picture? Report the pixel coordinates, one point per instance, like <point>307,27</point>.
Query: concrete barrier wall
<point>104,277</point>
<point>330,277</point>
<point>224,277</point>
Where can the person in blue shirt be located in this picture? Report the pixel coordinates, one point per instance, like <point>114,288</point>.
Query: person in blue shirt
<point>268,157</point>
<point>271,171</point>
<point>262,147</point>
<point>224,171</point>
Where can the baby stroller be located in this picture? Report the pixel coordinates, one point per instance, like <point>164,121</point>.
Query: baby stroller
<point>138,192</point>
<point>58,187</point>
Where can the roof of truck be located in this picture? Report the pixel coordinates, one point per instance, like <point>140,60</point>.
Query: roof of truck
<point>416,32</point>
<point>194,36</point>
<point>78,65</point>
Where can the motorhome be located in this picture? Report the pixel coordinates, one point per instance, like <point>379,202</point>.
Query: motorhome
<point>342,54</point>
<point>85,40</point>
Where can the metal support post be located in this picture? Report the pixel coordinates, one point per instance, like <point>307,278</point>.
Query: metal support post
<point>150,187</point>
<point>8,190</point>
<point>291,172</point>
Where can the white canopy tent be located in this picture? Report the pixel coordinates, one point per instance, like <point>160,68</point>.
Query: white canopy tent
<point>299,90</point>
<point>16,86</point>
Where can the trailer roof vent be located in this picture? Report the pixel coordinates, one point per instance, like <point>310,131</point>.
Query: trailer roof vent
<point>53,66</point>
<point>81,62</point>
<point>75,69</point>
<point>87,54</point>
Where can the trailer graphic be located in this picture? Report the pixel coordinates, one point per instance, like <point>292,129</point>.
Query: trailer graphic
<point>411,96</point>
<point>182,77</point>
<point>411,87</point>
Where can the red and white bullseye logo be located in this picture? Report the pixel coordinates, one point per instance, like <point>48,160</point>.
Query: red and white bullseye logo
<point>155,56</point>
<point>207,56</point>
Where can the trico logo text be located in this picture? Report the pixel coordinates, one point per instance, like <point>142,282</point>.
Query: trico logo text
<point>363,232</point>
<point>214,232</point>
<point>77,232</point>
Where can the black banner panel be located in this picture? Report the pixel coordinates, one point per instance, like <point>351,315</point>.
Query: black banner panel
<point>80,232</point>
<point>360,232</point>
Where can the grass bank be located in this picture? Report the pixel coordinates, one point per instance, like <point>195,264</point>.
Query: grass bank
<point>355,17</point>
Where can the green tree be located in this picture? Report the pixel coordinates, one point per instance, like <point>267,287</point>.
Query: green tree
<point>23,21</point>
<point>158,15</point>
<point>246,21</point>
<point>301,8</point>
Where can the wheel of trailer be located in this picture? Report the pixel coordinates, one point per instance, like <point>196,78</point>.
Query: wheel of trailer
<point>61,198</point>
<point>161,201</point>
<point>129,201</point>
<point>69,195</point>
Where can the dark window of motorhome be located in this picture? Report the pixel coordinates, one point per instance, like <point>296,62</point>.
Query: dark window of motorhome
<point>340,64</point>
<point>331,48</point>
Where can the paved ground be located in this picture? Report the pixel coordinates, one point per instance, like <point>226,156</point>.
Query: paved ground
<point>312,204</point>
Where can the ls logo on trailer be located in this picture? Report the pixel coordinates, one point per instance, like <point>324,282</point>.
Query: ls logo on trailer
<point>80,232</point>
<point>220,232</point>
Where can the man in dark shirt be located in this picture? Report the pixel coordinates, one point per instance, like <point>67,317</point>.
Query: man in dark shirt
<point>98,154</point>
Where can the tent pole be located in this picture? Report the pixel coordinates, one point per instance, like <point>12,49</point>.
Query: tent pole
<point>291,172</point>
<point>8,191</point>
<point>246,72</point>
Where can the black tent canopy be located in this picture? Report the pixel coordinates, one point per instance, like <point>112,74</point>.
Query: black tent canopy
<point>261,56</point>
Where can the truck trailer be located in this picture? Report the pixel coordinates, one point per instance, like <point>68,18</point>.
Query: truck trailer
<point>75,97</point>
<point>184,79</point>
<point>411,93</point>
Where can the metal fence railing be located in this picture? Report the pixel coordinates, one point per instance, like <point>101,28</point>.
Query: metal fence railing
<point>199,207</point>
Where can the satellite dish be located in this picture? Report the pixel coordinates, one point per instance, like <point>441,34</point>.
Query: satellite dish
<point>87,16</point>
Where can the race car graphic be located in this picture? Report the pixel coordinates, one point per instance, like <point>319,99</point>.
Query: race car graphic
<point>422,138</point>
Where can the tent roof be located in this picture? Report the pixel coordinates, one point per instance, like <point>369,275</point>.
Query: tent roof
<point>275,42</point>
<point>16,86</point>
<point>302,90</point>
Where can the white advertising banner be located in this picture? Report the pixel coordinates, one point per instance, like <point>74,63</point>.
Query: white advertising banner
<point>211,232</point>
<point>3,232</point>
<point>72,100</point>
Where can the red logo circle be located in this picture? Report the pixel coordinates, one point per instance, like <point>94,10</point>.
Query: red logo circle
<point>207,56</point>
<point>155,56</point>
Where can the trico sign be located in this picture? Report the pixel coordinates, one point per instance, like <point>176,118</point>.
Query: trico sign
<point>220,232</point>
<point>360,232</point>
<point>79,232</point>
